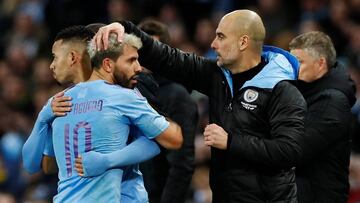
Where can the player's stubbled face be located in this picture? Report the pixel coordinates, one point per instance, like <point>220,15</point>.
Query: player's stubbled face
<point>127,67</point>
<point>60,66</point>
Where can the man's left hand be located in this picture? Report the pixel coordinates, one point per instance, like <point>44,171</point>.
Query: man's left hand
<point>215,136</point>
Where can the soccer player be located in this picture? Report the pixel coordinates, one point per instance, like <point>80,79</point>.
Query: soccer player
<point>70,57</point>
<point>73,138</point>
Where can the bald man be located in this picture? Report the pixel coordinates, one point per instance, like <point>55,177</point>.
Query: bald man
<point>256,114</point>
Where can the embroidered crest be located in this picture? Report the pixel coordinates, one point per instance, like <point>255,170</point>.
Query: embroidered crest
<point>250,95</point>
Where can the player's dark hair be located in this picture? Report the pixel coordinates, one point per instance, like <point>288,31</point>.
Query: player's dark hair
<point>77,32</point>
<point>95,26</point>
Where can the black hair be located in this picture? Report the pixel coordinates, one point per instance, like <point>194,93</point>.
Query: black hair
<point>77,32</point>
<point>95,26</point>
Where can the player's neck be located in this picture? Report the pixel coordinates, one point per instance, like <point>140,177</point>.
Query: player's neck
<point>98,75</point>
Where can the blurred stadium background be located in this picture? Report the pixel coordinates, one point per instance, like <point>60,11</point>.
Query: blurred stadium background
<point>27,29</point>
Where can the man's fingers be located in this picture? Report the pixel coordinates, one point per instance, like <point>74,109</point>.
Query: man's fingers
<point>78,166</point>
<point>98,40</point>
<point>59,114</point>
<point>105,38</point>
<point>62,109</point>
<point>208,143</point>
<point>60,94</point>
<point>61,99</point>
<point>63,104</point>
<point>101,38</point>
<point>60,102</point>
<point>120,37</point>
<point>78,160</point>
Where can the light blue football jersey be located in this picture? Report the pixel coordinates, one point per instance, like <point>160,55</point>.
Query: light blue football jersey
<point>100,120</point>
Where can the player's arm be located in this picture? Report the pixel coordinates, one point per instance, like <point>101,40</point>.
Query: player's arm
<point>140,150</point>
<point>185,68</point>
<point>49,165</point>
<point>94,163</point>
<point>60,106</point>
<point>34,146</point>
<point>48,162</point>
<point>153,125</point>
<point>149,122</point>
<point>171,137</point>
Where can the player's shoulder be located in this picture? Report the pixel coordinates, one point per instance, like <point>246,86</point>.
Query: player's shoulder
<point>122,93</point>
<point>128,94</point>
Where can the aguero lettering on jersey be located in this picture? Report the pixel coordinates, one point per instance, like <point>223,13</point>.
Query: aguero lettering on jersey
<point>88,106</point>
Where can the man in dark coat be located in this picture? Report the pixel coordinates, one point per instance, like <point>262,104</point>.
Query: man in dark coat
<point>256,114</point>
<point>322,174</point>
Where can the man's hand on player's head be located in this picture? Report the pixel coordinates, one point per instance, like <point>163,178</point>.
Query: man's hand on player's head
<point>101,38</point>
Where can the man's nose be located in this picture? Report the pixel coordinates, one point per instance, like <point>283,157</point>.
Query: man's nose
<point>138,68</point>
<point>213,44</point>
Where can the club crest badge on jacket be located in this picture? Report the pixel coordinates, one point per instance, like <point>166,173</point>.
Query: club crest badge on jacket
<point>250,96</point>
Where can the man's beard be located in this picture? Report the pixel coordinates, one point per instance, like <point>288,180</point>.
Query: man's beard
<point>122,81</point>
<point>57,82</point>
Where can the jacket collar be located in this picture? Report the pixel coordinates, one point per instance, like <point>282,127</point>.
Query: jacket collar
<point>281,65</point>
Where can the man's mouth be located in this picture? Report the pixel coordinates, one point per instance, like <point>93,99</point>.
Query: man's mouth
<point>134,78</point>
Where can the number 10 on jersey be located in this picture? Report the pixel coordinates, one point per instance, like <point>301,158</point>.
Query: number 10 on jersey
<point>79,125</point>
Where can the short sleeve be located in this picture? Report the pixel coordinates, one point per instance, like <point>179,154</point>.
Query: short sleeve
<point>143,116</point>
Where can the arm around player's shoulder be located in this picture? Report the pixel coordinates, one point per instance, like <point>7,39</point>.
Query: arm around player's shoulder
<point>153,125</point>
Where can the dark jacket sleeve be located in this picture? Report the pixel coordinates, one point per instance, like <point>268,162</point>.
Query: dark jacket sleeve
<point>192,71</point>
<point>327,119</point>
<point>183,110</point>
<point>281,149</point>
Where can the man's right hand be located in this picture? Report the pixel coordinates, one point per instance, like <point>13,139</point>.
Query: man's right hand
<point>61,104</point>
<point>101,38</point>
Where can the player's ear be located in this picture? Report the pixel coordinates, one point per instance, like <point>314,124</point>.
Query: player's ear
<point>108,65</point>
<point>73,57</point>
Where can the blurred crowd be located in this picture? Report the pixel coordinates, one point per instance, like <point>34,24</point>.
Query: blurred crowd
<point>27,29</point>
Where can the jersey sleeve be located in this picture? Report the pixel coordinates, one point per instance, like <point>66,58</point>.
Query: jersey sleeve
<point>34,146</point>
<point>143,116</point>
<point>49,148</point>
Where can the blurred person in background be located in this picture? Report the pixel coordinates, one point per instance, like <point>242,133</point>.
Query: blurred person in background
<point>167,177</point>
<point>322,174</point>
<point>354,176</point>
